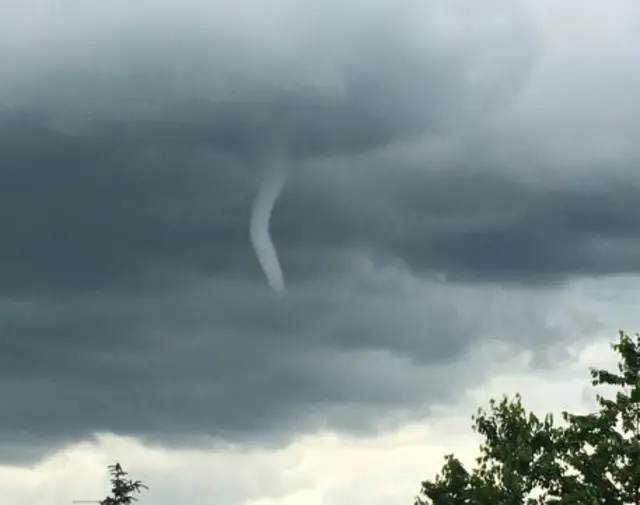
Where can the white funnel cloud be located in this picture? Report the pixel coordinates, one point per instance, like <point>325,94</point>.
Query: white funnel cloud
<point>268,193</point>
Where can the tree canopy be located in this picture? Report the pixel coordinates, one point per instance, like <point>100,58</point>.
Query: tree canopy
<point>526,460</point>
<point>122,488</point>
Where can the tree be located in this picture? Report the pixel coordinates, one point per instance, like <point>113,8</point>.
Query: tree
<point>122,489</point>
<point>524,460</point>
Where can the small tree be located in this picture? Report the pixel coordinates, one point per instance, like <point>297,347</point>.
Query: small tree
<point>122,489</point>
<point>592,459</point>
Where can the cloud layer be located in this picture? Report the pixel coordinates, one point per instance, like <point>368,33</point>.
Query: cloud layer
<point>453,174</point>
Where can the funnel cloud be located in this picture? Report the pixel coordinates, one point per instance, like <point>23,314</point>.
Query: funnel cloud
<point>266,253</point>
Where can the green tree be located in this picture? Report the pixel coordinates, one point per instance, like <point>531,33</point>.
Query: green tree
<point>589,459</point>
<point>122,488</point>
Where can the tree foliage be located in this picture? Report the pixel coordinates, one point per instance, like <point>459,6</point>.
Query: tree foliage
<point>122,488</point>
<point>525,460</point>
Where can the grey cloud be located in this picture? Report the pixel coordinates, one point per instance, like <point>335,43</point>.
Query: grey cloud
<point>130,153</point>
<point>470,220</point>
<point>319,70</point>
<point>223,360</point>
<point>124,211</point>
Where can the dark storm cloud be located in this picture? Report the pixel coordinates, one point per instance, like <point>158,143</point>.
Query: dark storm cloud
<point>224,359</point>
<point>127,153</point>
<point>130,153</point>
<point>474,222</point>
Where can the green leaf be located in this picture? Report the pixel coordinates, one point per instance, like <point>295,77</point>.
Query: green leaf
<point>590,459</point>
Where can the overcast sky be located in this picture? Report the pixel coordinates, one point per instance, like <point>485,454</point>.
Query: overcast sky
<point>462,191</point>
